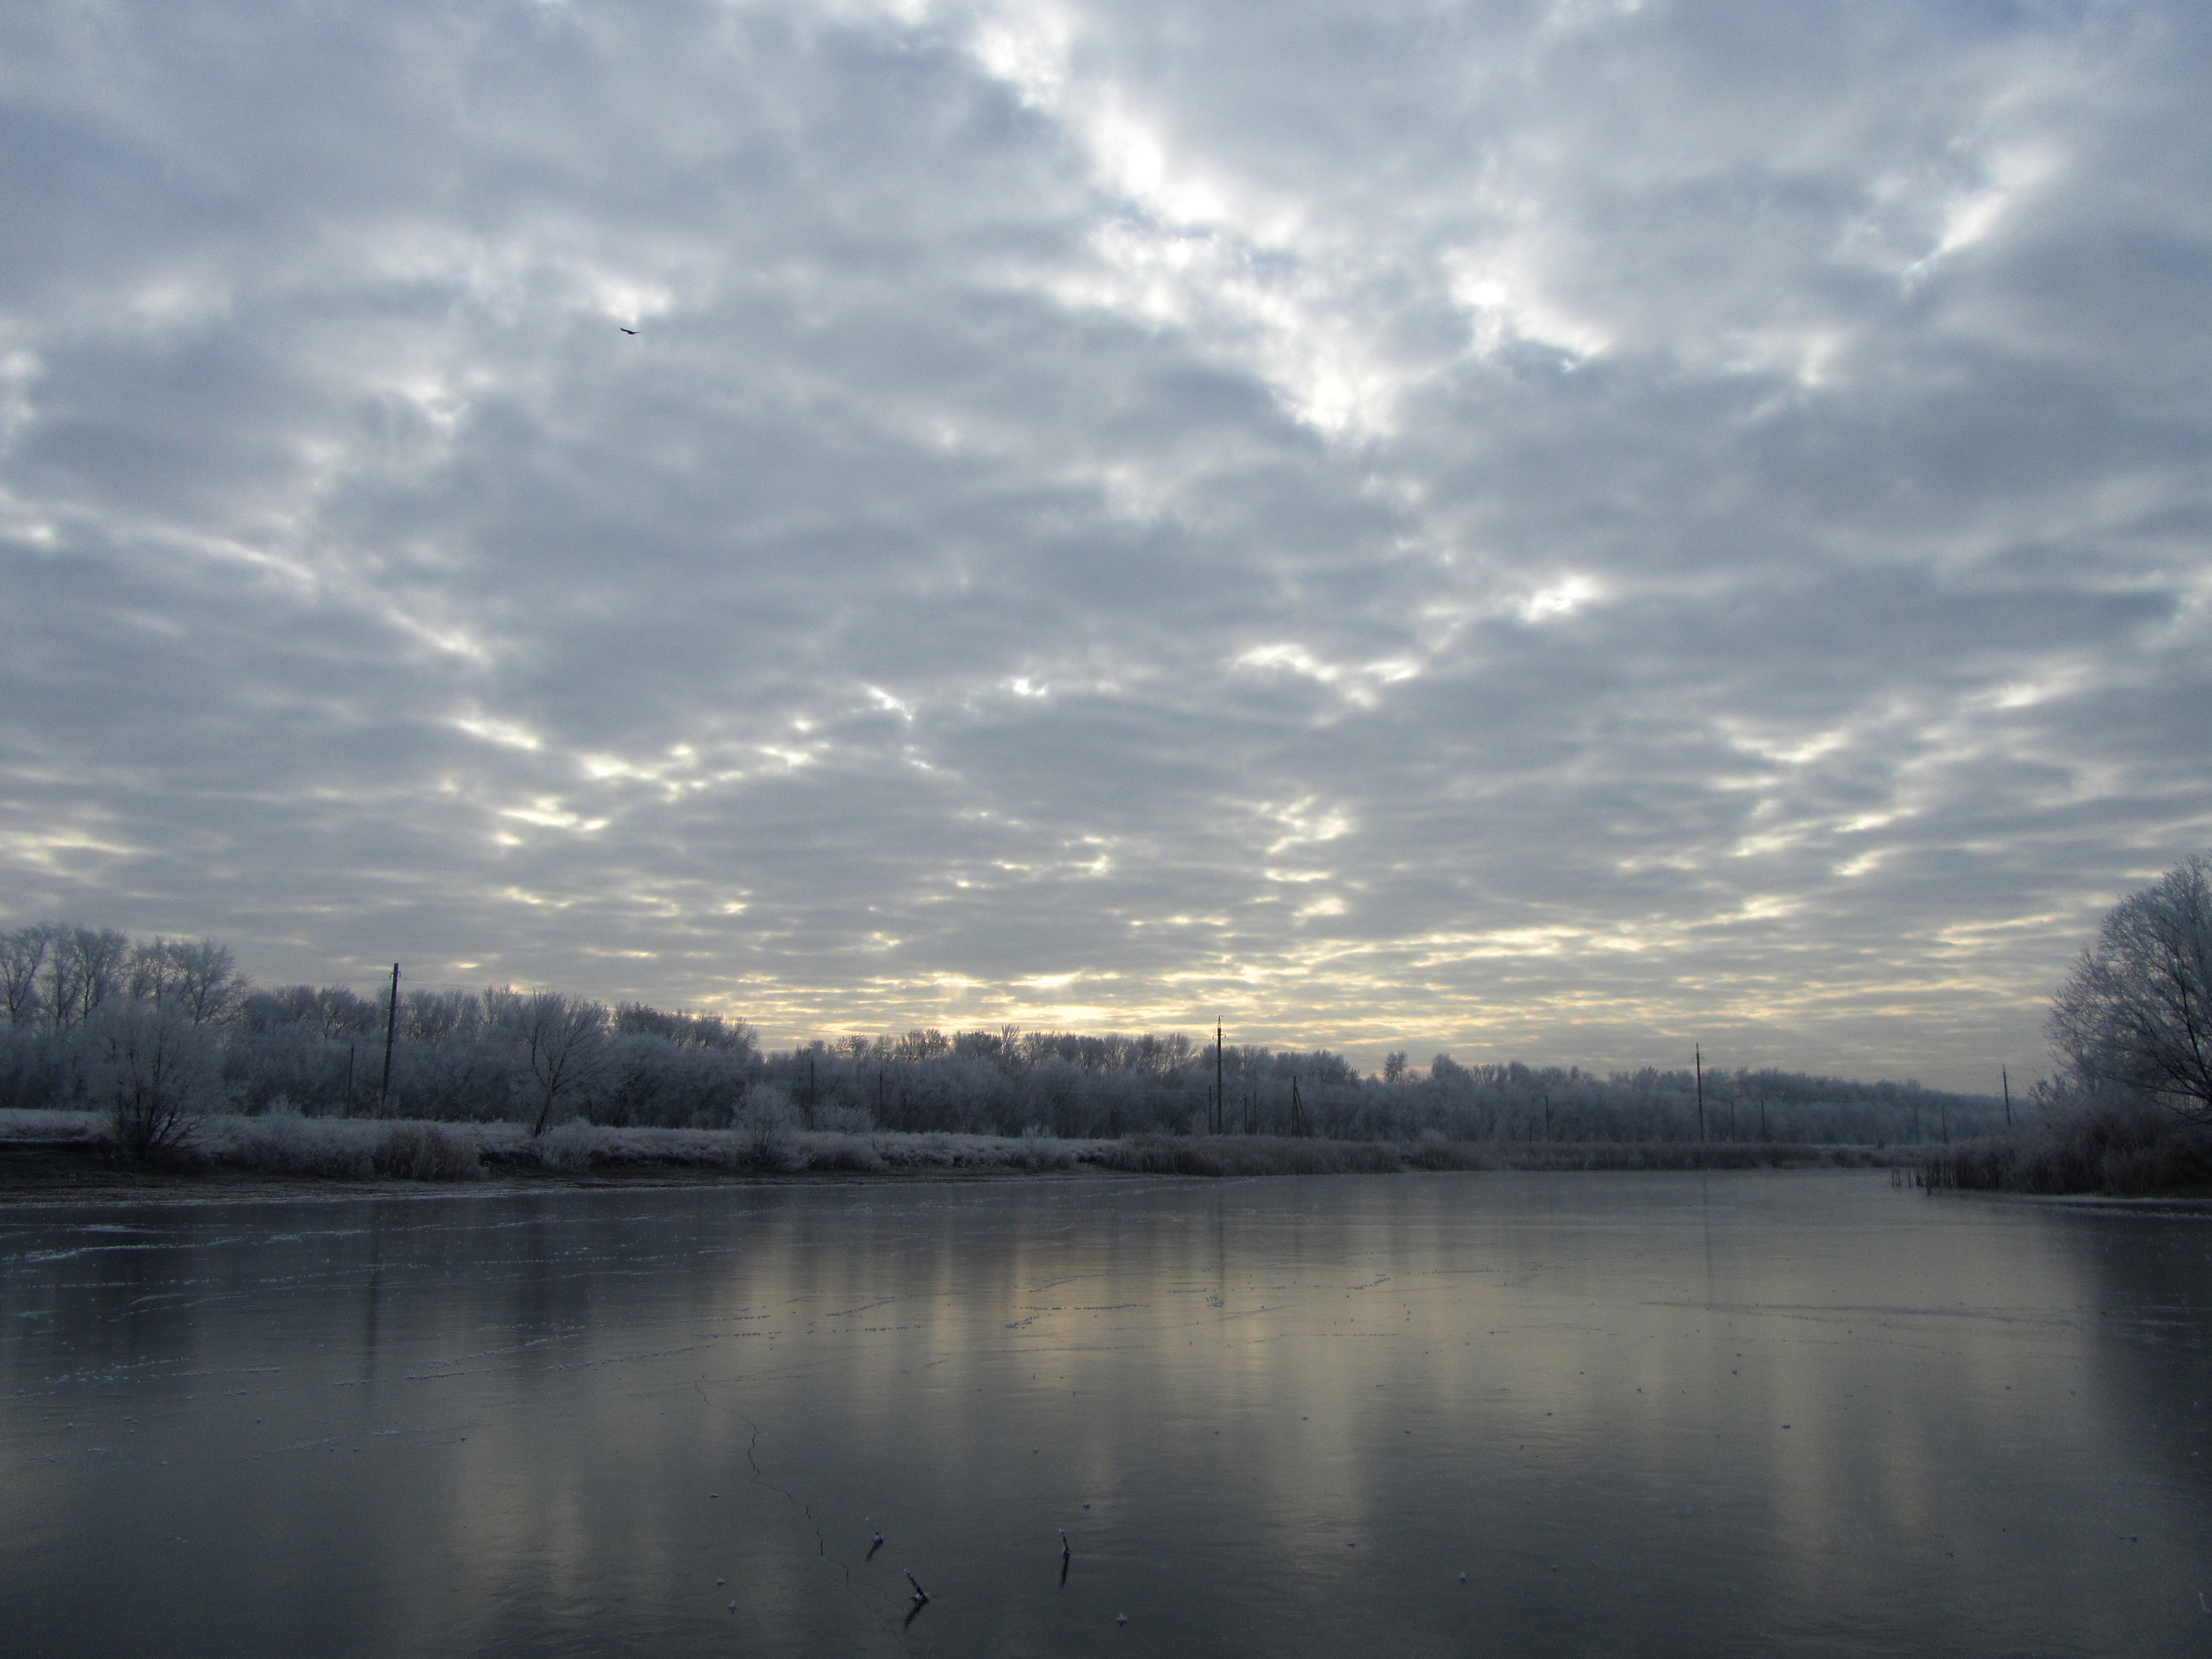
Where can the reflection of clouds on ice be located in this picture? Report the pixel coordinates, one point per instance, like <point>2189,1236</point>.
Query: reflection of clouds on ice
<point>664,1402</point>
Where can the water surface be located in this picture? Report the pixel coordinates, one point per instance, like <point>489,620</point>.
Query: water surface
<point>1641,1415</point>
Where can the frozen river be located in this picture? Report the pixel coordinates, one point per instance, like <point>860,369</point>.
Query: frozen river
<point>1610,1414</point>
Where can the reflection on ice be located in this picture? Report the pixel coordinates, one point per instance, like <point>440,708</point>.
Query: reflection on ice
<point>1671,1413</point>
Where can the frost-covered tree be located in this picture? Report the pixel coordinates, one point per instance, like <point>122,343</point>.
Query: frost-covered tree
<point>198,978</point>
<point>84,967</point>
<point>22,953</point>
<point>563,1041</point>
<point>2136,1014</point>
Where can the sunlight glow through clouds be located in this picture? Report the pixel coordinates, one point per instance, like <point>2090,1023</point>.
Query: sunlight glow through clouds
<point>1361,685</point>
<point>506,733</point>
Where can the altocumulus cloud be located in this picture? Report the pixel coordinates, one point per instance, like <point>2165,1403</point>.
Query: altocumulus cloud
<point>1546,529</point>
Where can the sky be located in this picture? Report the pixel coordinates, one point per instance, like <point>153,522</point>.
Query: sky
<point>1557,531</point>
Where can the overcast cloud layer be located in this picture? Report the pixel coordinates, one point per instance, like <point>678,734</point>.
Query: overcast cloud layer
<point>1543,531</point>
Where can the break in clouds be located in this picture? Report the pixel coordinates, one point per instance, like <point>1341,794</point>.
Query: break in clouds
<point>1545,531</point>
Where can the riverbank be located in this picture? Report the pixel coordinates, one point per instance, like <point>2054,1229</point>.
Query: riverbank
<point>65,1156</point>
<point>2124,1152</point>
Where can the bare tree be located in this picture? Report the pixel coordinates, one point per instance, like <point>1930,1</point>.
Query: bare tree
<point>85,966</point>
<point>197,977</point>
<point>157,1072</point>
<point>22,953</point>
<point>564,1040</point>
<point>2136,1014</point>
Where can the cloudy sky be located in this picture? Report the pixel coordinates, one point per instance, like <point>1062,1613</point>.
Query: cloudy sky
<point>1554,531</point>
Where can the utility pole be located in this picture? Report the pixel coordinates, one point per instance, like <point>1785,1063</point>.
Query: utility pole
<point>391,1030</point>
<point>1698,1059</point>
<point>1298,1110</point>
<point>2005,1077</point>
<point>1220,1100</point>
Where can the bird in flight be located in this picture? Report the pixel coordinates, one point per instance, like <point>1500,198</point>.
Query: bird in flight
<point>626,330</point>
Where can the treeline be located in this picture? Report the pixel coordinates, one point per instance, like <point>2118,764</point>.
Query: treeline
<point>1001,1081</point>
<point>90,1014</point>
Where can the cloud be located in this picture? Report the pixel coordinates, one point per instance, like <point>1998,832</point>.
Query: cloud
<point>1539,531</point>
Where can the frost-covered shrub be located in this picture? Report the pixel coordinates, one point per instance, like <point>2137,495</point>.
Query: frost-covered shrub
<point>765,1126</point>
<point>424,1151</point>
<point>337,1148</point>
<point>836,1118</point>
<point>286,1144</point>
<point>40,1070</point>
<point>155,1071</point>
<point>570,1145</point>
<point>2123,1147</point>
<point>839,1151</point>
<point>17,1124</point>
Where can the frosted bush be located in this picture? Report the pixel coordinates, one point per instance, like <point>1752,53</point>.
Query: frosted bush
<point>338,1149</point>
<point>839,1151</point>
<point>36,1124</point>
<point>428,1151</point>
<point>764,1128</point>
<point>288,1145</point>
<point>569,1147</point>
<point>843,1120</point>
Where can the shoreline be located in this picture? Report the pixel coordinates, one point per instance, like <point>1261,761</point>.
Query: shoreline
<point>46,1175</point>
<point>68,1171</point>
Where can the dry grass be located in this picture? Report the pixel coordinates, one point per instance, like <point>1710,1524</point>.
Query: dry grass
<point>24,1124</point>
<point>2120,1152</point>
<point>1273,1155</point>
<point>337,1148</point>
<point>283,1143</point>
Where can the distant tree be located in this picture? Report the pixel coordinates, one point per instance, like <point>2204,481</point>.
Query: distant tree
<point>22,953</point>
<point>700,1031</point>
<point>196,977</point>
<point>85,966</point>
<point>434,1015</point>
<point>1394,1068</point>
<point>335,1012</point>
<point>2136,1014</point>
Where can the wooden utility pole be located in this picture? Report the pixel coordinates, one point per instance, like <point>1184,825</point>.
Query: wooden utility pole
<point>1220,1100</point>
<point>1698,1059</point>
<point>2005,1077</point>
<point>391,1031</point>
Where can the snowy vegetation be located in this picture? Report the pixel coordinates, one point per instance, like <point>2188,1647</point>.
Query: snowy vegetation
<point>2129,1111</point>
<point>170,1043</point>
<point>284,1142</point>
